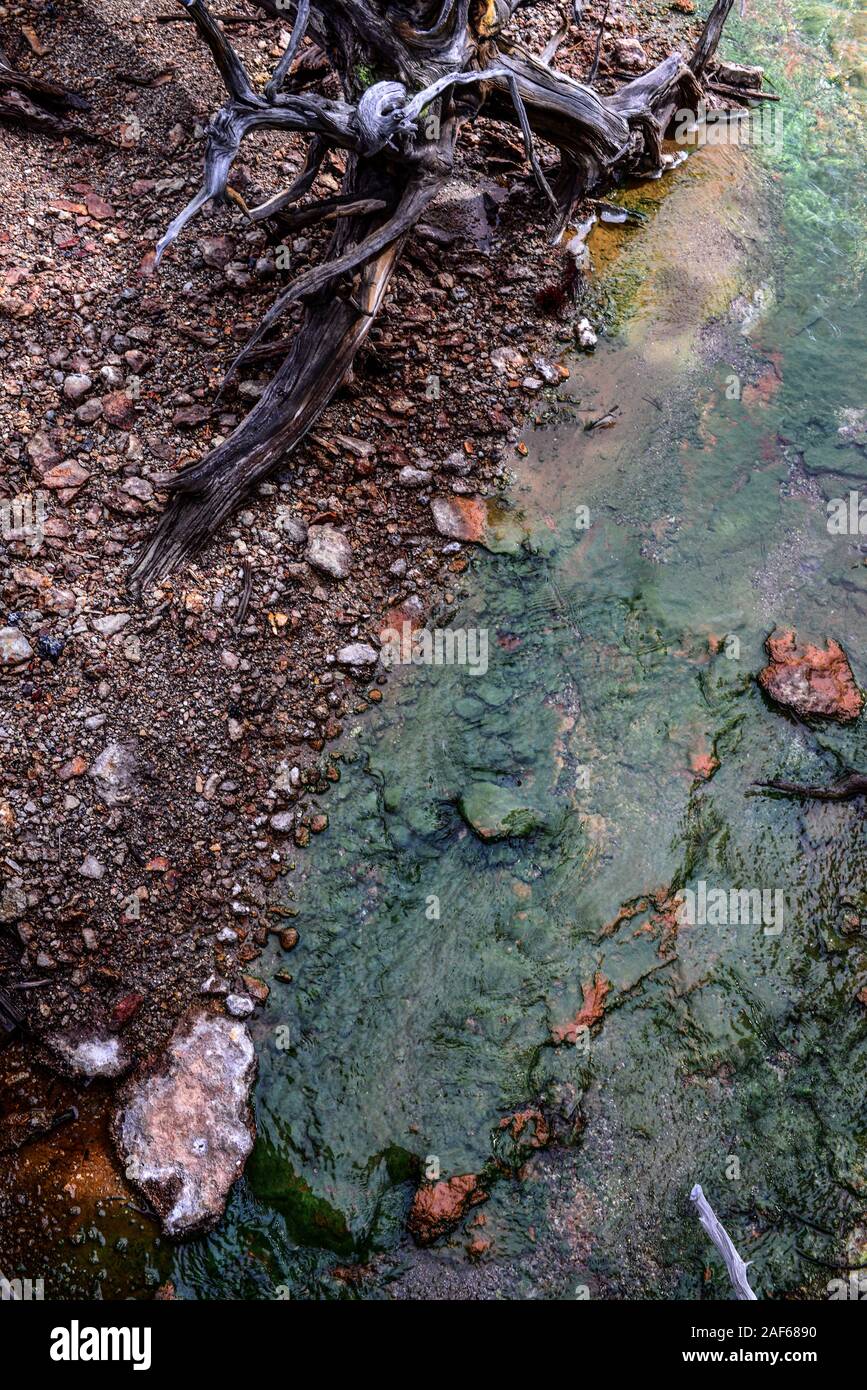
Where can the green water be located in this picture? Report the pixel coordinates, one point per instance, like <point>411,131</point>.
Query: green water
<point>433,966</point>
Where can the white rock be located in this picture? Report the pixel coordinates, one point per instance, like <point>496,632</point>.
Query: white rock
<point>183,1128</point>
<point>91,1055</point>
<point>14,647</point>
<point>239,1005</point>
<point>328,550</point>
<point>358,654</point>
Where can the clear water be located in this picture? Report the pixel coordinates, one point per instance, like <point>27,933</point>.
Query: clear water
<point>433,966</point>
<point>726,1055</point>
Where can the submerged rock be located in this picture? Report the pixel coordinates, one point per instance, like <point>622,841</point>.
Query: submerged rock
<point>479,519</point>
<point>498,813</point>
<point>184,1127</point>
<point>812,681</point>
<point>438,1206</point>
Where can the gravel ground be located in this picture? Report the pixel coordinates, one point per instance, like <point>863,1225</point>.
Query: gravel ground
<point>163,762</point>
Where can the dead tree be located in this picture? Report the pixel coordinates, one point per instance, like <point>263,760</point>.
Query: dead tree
<point>412,75</point>
<point>33,102</point>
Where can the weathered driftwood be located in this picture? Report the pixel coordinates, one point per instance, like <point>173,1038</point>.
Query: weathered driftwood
<point>737,1269</point>
<point>10,1018</point>
<point>440,63</point>
<point>33,102</point>
<point>845,788</point>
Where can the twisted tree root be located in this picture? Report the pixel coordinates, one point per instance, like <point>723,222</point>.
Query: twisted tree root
<point>456,59</point>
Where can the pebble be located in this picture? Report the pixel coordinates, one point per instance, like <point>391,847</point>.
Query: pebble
<point>239,1005</point>
<point>329,551</point>
<point>76,386</point>
<point>14,647</point>
<point>358,654</point>
<point>414,477</point>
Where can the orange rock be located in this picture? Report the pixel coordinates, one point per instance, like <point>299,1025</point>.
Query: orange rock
<point>461,518</point>
<point>704,765</point>
<point>438,1206</point>
<point>478,1247</point>
<point>590,1012</point>
<point>812,681</point>
<point>518,1122</point>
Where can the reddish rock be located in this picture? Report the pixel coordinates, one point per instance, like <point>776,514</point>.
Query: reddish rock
<point>43,452</point>
<point>118,408</point>
<point>69,475</point>
<point>438,1206</point>
<point>256,987</point>
<point>813,681</point>
<point>188,417</point>
<point>529,1126</point>
<point>75,767</point>
<point>479,519</point>
<point>478,1247</point>
<point>125,1009</point>
<point>461,518</point>
<point>591,1011</point>
<point>216,251</point>
<point>98,208</point>
<point>703,765</point>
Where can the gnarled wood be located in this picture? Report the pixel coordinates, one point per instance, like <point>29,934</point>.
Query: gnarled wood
<point>449,57</point>
<point>35,103</point>
<point>846,788</point>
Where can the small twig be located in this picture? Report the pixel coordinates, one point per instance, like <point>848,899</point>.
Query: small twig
<point>736,1267</point>
<point>594,66</point>
<point>246,591</point>
<point>299,29</point>
<point>549,52</point>
<point>518,103</point>
<point>844,789</point>
<point>828,1264</point>
<point>742,93</point>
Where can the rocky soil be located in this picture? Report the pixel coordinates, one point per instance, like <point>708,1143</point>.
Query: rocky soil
<point>164,760</point>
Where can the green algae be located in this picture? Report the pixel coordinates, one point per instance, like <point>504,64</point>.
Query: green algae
<point>620,698</point>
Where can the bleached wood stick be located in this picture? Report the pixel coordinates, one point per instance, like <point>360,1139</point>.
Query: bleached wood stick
<point>737,1269</point>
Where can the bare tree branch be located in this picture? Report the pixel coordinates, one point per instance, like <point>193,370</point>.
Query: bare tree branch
<point>444,65</point>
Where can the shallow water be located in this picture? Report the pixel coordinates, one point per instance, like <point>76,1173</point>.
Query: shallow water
<point>433,966</point>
